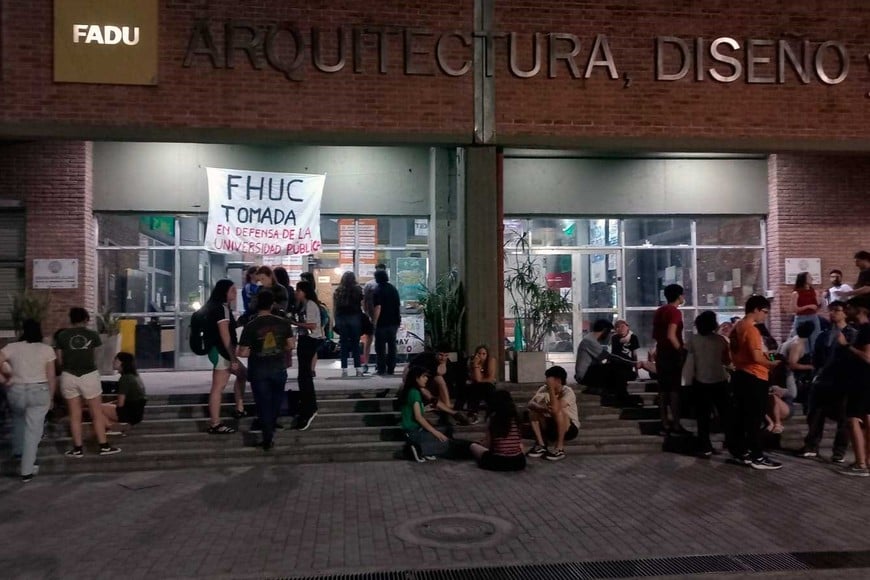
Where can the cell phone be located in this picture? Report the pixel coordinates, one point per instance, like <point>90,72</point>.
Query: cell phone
<point>771,356</point>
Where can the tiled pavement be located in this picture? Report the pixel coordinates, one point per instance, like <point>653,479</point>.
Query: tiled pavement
<point>297,520</point>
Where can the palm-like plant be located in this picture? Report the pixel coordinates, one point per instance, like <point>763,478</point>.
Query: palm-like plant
<point>444,313</point>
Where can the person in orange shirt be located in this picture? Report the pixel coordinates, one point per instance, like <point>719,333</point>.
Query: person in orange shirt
<point>751,386</point>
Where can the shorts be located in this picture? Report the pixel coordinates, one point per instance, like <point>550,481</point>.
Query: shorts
<point>87,386</point>
<point>669,368</point>
<point>131,412</point>
<point>492,462</point>
<point>550,432</point>
<point>218,362</point>
<point>858,401</point>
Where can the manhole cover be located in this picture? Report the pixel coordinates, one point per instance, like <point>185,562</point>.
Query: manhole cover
<point>455,531</point>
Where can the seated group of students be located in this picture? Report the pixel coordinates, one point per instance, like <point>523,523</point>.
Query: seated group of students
<point>552,413</point>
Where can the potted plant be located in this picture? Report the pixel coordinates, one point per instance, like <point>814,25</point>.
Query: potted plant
<point>444,313</point>
<point>108,328</point>
<point>535,308</point>
<point>29,304</point>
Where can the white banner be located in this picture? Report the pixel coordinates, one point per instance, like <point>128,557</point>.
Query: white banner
<point>268,214</point>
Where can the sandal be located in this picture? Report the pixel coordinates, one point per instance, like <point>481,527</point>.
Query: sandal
<point>777,429</point>
<point>220,429</point>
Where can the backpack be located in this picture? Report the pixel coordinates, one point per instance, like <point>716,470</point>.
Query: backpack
<point>200,337</point>
<point>325,320</point>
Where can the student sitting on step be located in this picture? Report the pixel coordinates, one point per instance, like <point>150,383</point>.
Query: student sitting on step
<point>425,441</point>
<point>129,407</point>
<point>502,447</point>
<point>437,391</point>
<point>553,415</point>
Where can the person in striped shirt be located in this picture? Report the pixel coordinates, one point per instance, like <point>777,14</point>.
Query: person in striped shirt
<point>502,448</point>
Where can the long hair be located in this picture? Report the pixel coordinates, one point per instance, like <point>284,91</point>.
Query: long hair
<point>31,331</point>
<point>219,292</point>
<point>308,290</point>
<point>410,383</point>
<point>267,271</point>
<point>347,291</point>
<point>503,414</point>
<point>800,282</point>
<point>249,274</point>
<point>128,363</point>
<point>282,276</point>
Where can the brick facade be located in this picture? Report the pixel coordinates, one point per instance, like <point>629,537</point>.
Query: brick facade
<point>53,179</point>
<point>817,210</point>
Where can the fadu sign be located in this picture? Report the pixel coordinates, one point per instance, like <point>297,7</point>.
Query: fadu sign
<point>110,42</point>
<point>267,214</point>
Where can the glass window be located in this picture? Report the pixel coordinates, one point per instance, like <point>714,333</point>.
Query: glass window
<point>727,277</point>
<point>657,232</point>
<point>136,230</point>
<point>574,232</point>
<point>647,272</point>
<point>514,229</point>
<point>136,280</point>
<point>729,231</point>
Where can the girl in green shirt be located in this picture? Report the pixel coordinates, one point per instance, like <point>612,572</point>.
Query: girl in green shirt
<point>129,407</point>
<point>425,440</point>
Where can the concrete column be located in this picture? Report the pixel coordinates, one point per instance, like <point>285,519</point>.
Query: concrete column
<point>483,249</point>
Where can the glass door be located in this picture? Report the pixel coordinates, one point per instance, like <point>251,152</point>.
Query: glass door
<point>592,283</point>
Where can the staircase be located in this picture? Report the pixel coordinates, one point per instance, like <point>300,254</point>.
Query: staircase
<point>352,425</point>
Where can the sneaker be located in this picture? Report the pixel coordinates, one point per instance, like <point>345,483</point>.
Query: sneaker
<point>706,454</point>
<point>365,369</point>
<point>344,373</point>
<point>256,427</point>
<point>430,458</point>
<point>855,471</point>
<point>417,455</point>
<point>460,418</point>
<point>807,453</point>
<point>109,450</point>
<point>359,372</point>
<point>26,478</point>
<point>220,429</point>
<point>114,432</point>
<point>557,455</point>
<point>765,463</point>
<point>240,414</point>
<point>537,451</point>
<point>304,424</point>
<point>473,418</point>
<point>76,452</point>
<point>838,459</point>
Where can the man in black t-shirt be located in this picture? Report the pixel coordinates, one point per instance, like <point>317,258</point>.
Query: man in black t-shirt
<point>862,286</point>
<point>386,317</point>
<point>265,340</point>
<point>858,386</point>
<point>437,393</point>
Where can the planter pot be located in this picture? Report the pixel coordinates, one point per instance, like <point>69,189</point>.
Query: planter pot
<point>105,354</point>
<point>528,367</point>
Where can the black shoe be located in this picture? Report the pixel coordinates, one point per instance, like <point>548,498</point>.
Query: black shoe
<point>537,451</point>
<point>220,429</point>
<point>461,419</point>
<point>256,427</point>
<point>26,478</point>
<point>278,426</point>
<point>240,414</point>
<point>304,424</point>
<point>268,446</point>
<point>108,450</point>
<point>838,459</point>
<point>807,452</point>
<point>765,463</point>
<point>557,455</point>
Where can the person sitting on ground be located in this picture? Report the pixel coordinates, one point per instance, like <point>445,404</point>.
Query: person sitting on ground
<point>482,376</point>
<point>784,390</point>
<point>424,439</point>
<point>129,407</point>
<point>707,359</point>
<point>553,415</point>
<point>437,392</point>
<point>623,349</point>
<point>502,447</point>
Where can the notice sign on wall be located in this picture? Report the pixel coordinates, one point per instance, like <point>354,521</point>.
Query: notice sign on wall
<point>56,274</point>
<point>794,266</point>
<point>267,214</point>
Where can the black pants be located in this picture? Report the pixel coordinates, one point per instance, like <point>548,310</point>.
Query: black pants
<point>385,348</point>
<point>750,398</point>
<point>827,401</point>
<point>607,379</point>
<point>268,389</point>
<point>469,396</point>
<point>306,348</point>
<point>708,397</point>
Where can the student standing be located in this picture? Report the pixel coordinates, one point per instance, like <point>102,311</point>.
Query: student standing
<point>805,302</point>
<point>347,302</point>
<point>837,289</point>
<point>33,386</point>
<point>309,335</point>
<point>264,341</point>
<point>79,379</point>
<point>858,386</point>
<point>668,336</point>
<point>221,336</point>
<point>751,386</point>
<point>386,318</point>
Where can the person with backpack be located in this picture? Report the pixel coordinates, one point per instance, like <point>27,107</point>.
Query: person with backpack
<point>347,300</point>
<point>214,326</point>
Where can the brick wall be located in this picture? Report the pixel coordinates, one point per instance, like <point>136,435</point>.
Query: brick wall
<point>264,101</point>
<point>817,210</point>
<point>53,179</point>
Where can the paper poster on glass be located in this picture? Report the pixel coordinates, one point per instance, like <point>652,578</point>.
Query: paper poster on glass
<point>411,279</point>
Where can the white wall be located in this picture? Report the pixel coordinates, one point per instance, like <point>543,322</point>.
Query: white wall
<point>610,187</point>
<point>170,177</point>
